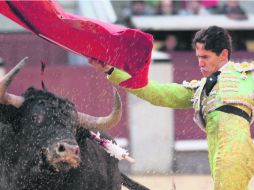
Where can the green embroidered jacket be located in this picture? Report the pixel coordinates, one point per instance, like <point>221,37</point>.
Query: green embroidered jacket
<point>235,86</point>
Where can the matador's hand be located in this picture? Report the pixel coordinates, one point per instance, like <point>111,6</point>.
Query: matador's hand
<point>99,65</point>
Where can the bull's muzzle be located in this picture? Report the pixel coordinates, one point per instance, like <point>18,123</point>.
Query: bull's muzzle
<point>64,155</point>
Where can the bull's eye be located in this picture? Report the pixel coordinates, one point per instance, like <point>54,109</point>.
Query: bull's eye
<point>36,118</point>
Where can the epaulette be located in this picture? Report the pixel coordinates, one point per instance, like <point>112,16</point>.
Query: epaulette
<point>244,67</point>
<point>192,84</point>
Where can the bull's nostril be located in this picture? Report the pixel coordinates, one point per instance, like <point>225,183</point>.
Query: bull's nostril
<point>77,151</point>
<point>61,148</point>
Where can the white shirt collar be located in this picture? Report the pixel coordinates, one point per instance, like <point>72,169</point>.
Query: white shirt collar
<point>223,67</point>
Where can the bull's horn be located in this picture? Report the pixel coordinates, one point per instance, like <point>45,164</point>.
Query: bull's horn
<point>6,98</point>
<point>102,123</point>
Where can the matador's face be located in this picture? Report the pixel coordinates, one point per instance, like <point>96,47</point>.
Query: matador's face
<point>208,61</point>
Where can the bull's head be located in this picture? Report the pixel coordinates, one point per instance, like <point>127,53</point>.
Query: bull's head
<point>49,123</point>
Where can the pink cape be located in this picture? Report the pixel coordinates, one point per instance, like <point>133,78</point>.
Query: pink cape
<point>124,48</point>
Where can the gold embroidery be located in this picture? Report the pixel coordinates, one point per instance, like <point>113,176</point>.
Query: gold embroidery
<point>238,99</point>
<point>229,85</point>
<point>203,109</point>
<point>213,92</point>
<point>197,94</point>
<point>192,84</point>
<point>244,66</point>
<point>226,75</point>
<point>230,89</point>
<point>229,79</point>
<point>211,101</point>
<point>244,108</point>
<point>210,108</point>
<point>244,75</point>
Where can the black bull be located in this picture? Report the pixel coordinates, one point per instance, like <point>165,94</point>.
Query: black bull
<point>45,144</point>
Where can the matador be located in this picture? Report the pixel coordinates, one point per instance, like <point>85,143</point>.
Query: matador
<point>223,101</point>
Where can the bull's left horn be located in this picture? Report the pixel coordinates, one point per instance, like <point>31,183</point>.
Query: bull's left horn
<point>103,123</point>
<point>6,98</point>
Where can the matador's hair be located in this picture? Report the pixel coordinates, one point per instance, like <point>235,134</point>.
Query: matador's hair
<point>215,39</point>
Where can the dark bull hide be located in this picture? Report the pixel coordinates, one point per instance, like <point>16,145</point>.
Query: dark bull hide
<point>45,144</point>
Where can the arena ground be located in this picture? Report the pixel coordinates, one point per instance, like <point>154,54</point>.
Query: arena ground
<point>182,182</point>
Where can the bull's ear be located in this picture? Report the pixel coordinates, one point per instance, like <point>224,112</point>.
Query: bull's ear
<point>103,123</point>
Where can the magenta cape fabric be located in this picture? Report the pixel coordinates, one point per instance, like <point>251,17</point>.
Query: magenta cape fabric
<point>124,48</point>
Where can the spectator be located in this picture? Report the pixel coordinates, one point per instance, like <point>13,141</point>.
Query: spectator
<point>239,43</point>
<point>211,5</point>
<point>140,8</point>
<point>166,7</point>
<point>170,44</point>
<point>233,10</point>
<point>194,8</point>
<point>135,8</point>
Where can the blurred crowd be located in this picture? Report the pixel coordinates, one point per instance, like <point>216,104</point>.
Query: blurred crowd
<point>231,8</point>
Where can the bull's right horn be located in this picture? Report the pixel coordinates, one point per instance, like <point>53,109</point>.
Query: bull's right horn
<point>6,98</point>
<point>103,123</point>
